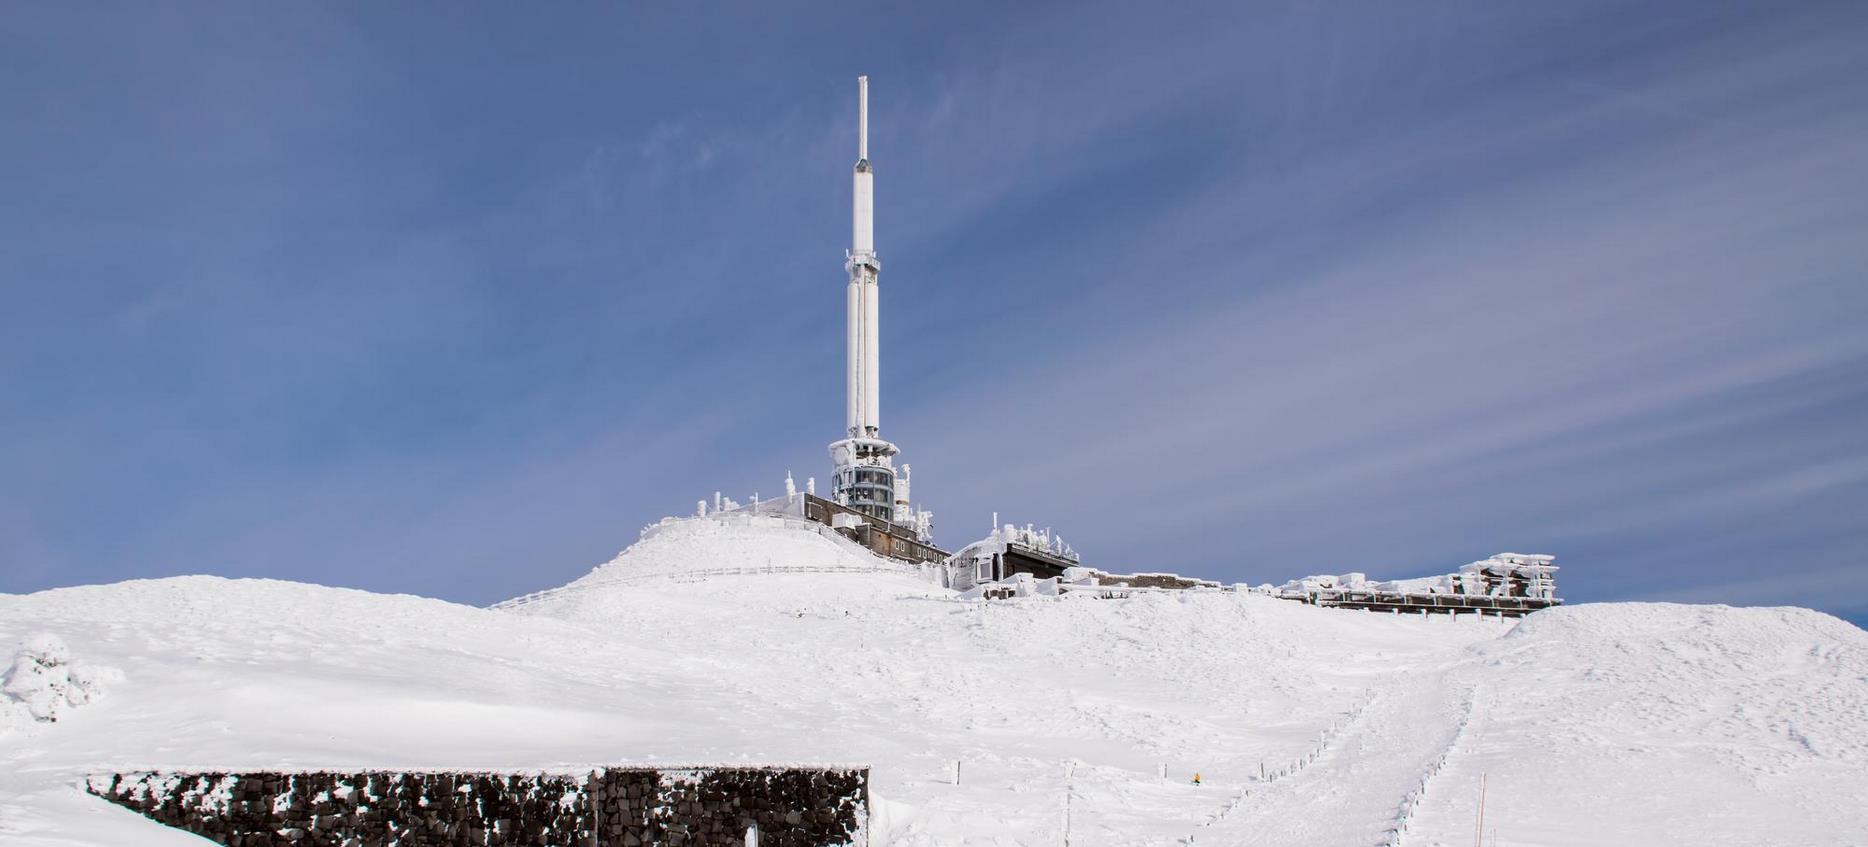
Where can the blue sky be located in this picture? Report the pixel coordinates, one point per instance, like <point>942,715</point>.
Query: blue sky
<point>453,301</point>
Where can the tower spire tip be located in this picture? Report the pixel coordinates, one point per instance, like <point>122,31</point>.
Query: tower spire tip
<point>862,117</point>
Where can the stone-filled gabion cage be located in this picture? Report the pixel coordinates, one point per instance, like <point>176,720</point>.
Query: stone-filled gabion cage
<point>607,807</point>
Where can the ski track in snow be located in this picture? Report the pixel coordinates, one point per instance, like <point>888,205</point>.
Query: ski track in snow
<point>753,640</point>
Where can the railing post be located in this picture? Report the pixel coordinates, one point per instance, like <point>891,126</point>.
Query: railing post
<point>593,792</point>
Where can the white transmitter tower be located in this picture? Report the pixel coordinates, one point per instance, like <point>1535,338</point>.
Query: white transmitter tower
<point>864,476</point>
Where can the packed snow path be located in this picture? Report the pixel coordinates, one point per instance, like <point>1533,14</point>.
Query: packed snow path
<point>1699,725</point>
<point>1348,793</point>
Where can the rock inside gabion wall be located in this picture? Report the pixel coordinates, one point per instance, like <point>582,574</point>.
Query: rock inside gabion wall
<point>791,807</point>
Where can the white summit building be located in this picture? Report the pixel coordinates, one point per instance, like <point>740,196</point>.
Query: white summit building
<point>863,475</point>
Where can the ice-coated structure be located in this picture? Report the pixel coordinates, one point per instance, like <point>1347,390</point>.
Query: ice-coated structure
<point>863,475</point>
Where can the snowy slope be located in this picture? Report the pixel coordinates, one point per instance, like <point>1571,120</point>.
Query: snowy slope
<point>728,545</point>
<point>714,641</point>
<point>1705,719</point>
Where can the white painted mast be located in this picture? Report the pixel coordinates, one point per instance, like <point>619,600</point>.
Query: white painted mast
<point>864,409</point>
<point>865,469</point>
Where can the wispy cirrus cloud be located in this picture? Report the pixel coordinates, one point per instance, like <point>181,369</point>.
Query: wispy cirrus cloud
<point>1522,363</point>
<point>1243,290</point>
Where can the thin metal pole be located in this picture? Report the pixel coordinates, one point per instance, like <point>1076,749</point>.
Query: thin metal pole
<point>1478,834</point>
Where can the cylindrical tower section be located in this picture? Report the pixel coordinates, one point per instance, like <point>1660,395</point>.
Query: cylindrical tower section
<point>872,357</point>
<point>863,214</point>
<point>863,222</point>
<point>853,358</point>
<point>904,508</point>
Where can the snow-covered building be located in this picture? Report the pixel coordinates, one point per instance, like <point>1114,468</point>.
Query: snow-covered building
<point>1010,550</point>
<point>1510,584</point>
<point>1031,560</point>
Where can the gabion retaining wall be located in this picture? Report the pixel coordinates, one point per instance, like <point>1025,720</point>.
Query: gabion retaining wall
<point>613,807</point>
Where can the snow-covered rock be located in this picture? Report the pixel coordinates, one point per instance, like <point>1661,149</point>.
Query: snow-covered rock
<point>43,683</point>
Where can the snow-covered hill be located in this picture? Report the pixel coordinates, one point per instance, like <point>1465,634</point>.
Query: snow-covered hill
<point>716,641</point>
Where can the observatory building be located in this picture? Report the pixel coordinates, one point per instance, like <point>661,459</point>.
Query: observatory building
<point>863,473</point>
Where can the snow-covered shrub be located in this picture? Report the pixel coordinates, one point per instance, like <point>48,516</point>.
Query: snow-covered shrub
<point>44,683</point>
